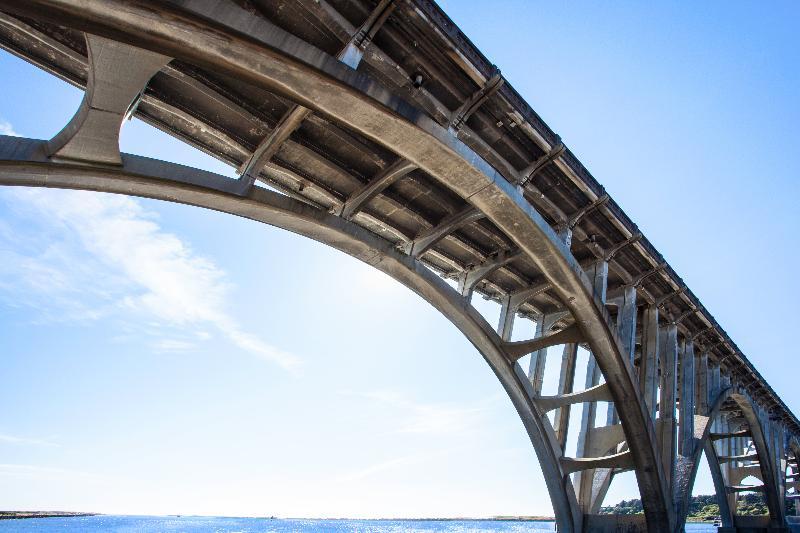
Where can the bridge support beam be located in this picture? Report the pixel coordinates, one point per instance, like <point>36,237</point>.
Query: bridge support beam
<point>667,431</point>
<point>566,380</point>
<point>584,480</point>
<point>648,367</point>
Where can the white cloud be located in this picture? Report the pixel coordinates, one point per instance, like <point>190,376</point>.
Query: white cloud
<point>428,418</point>
<point>110,252</point>
<point>43,472</point>
<point>403,461</point>
<point>390,464</point>
<point>14,439</point>
<point>7,129</point>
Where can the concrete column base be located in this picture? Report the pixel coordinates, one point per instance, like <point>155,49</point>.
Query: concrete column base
<point>753,524</point>
<point>757,530</point>
<point>611,523</point>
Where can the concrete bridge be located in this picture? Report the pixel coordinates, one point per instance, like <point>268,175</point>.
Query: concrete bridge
<point>377,128</point>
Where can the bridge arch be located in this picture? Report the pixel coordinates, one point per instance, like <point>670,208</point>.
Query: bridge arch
<point>159,180</point>
<point>24,162</point>
<point>287,66</point>
<point>726,434</point>
<point>221,37</point>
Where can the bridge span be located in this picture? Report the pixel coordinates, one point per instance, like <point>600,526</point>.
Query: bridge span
<point>377,128</point>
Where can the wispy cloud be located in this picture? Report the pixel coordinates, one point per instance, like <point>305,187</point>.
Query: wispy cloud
<point>383,466</point>
<point>418,417</point>
<point>111,252</point>
<point>7,129</point>
<point>43,472</point>
<point>401,462</point>
<point>25,441</point>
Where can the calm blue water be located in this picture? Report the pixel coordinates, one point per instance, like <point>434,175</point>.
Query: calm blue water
<point>152,524</point>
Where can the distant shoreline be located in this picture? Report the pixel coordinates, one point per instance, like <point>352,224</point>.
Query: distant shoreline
<point>17,515</point>
<point>453,519</point>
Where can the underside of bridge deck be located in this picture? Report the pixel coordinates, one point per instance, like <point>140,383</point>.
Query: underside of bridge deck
<point>377,127</point>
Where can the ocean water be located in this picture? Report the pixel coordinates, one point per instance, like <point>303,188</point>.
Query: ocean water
<point>191,524</point>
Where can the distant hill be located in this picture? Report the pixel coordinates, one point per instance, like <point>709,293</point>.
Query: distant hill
<point>703,507</point>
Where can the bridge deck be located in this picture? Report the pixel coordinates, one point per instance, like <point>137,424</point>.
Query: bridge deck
<point>325,164</point>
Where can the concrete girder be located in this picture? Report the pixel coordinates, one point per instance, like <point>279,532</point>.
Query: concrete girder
<point>350,55</point>
<point>469,107</point>
<point>451,223</point>
<point>614,250</point>
<point>745,488</point>
<point>23,162</point>
<point>598,393</point>
<point>531,170</point>
<point>291,68</point>
<point>622,461</point>
<point>518,349</point>
<point>738,458</point>
<point>376,185</point>
<point>353,51</point>
<point>470,277</point>
<point>733,435</point>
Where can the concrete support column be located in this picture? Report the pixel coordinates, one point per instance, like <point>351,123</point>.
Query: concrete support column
<point>714,382</point>
<point>539,358</point>
<point>583,480</point>
<point>598,273</point>
<point>648,367</point>
<point>701,384</point>
<point>507,314</point>
<point>566,381</point>
<point>779,462</point>
<point>669,370</point>
<point>687,396</point>
<point>626,321</point>
<point>626,330</point>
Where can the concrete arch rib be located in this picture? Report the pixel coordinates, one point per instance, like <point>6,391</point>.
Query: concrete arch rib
<point>725,511</point>
<point>768,474</point>
<point>228,41</point>
<point>684,480</point>
<point>23,163</point>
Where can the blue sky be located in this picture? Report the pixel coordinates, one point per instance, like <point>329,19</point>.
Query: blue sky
<point>165,359</point>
